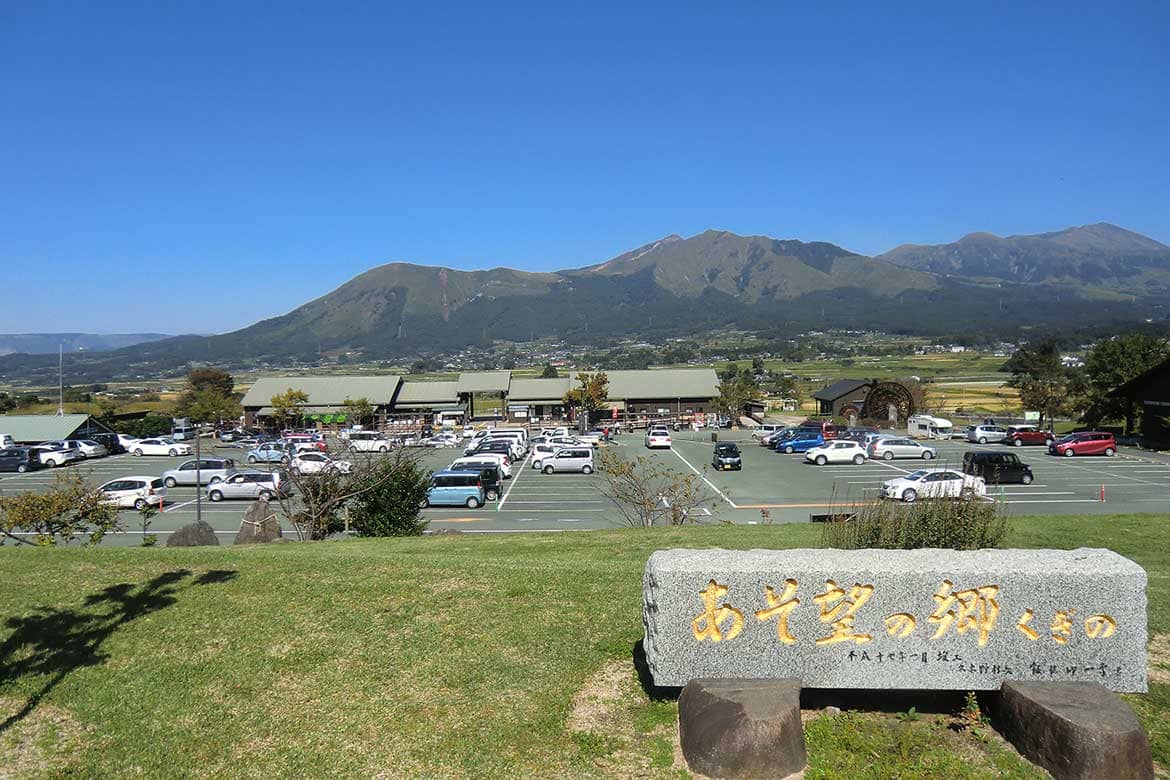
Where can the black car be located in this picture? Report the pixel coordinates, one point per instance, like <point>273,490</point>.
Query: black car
<point>501,446</point>
<point>109,441</point>
<point>19,459</point>
<point>857,432</point>
<point>997,467</point>
<point>726,456</point>
<point>489,476</point>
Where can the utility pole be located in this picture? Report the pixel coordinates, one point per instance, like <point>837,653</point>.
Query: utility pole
<point>60,379</point>
<point>198,481</point>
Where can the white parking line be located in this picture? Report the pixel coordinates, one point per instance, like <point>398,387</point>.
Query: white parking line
<point>179,506</point>
<point>709,482</point>
<point>515,478</point>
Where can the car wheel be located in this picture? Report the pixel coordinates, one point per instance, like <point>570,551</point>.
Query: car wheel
<point>1049,442</point>
<point>910,496</point>
<point>788,450</point>
<point>821,460</point>
<point>424,503</point>
<point>52,463</point>
<point>140,504</point>
<point>1069,453</point>
<point>21,468</point>
<point>215,495</point>
<point>1110,452</point>
<point>888,455</point>
<point>586,469</point>
<point>927,455</point>
<point>1018,443</point>
<point>213,480</point>
<point>382,450</point>
<point>252,459</point>
<point>966,494</point>
<point>172,453</point>
<point>547,469</point>
<point>472,503</point>
<point>1026,479</point>
<point>858,459</point>
<point>137,453</point>
<point>170,482</point>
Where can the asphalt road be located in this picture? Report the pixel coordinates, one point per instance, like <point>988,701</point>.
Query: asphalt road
<point>772,486</point>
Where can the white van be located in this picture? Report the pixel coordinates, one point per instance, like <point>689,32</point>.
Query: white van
<point>923,426</point>
<point>6,441</point>
<point>368,441</point>
<point>570,459</point>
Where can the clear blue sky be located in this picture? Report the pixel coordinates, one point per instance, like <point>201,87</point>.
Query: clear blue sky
<point>198,166</point>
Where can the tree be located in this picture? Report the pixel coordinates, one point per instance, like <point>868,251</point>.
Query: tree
<point>359,411</point>
<point>207,406</point>
<point>549,372</point>
<point>734,393</point>
<point>648,494</point>
<point>1112,363</point>
<point>211,379</point>
<point>1040,376</point>
<point>390,507</point>
<point>288,406</point>
<point>591,393</point>
<point>68,509</point>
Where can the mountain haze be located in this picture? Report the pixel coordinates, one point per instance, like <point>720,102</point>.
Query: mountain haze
<point>675,287</point>
<point>1099,255</point>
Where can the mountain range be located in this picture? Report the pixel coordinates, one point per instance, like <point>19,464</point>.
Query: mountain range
<point>46,343</point>
<point>1092,276</point>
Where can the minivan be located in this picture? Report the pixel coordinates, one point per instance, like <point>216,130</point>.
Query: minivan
<point>1085,443</point>
<point>455,488</point>
<point>489,476</point>
<point>997,467</point>
<point>570,459</point>
<point>19,459</point>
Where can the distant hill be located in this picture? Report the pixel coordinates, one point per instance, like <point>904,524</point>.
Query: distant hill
<point>1101,256</point>
<point>676,287</point>
<point>46,343</point>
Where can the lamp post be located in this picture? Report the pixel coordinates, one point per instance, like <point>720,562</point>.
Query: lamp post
<point>198,481</point>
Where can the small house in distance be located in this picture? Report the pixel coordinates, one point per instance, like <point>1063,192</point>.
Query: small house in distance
<point>842,396</point>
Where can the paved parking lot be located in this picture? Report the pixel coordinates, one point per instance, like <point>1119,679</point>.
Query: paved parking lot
<point>784,486</point>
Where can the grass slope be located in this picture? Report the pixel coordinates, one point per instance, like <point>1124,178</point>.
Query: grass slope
<point>441,656</point>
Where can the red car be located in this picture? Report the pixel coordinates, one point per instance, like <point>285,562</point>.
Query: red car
<point>1019,435</point>
<point>1085,443</point>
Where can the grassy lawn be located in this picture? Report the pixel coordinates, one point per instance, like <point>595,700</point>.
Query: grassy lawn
<point>471,656</point>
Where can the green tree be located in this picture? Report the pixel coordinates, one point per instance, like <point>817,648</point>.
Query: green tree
<point>207,406</point>
<point>1039,375</point>
<point>211,379</point>
<point>68,509</point>
<point>549,371</point>
<point>591,393</point>
<point>289,405</point>
<point>359,411</point>
<point>1112,363</point>
<point>734,393</point>
<point>390,505</point>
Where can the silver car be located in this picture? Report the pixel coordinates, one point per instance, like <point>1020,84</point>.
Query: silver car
<point>92,449</point>
<point>897,447</point>
<point>250,485</point>
<point>211,470</point>
<point>570,459</point>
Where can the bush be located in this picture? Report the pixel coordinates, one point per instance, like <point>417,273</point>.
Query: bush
<point>145,427</point>
<point>957,525</point>
<point>390,505</point>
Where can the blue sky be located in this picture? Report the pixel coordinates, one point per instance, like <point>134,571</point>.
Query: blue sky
<point>194,167</point>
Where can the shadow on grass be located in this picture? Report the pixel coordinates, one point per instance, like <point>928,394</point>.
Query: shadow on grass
<point>646,679</point>
<point>54,642</point>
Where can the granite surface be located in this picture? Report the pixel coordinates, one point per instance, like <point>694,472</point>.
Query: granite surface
<point>896,619</point>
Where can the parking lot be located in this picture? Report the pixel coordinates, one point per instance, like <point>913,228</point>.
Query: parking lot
<point>772,486</point>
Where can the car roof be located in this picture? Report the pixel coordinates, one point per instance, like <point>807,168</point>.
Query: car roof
<point>132,476</point>
<point>450,473</point>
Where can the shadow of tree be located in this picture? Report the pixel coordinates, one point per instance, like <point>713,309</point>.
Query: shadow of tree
<point>54,642</point>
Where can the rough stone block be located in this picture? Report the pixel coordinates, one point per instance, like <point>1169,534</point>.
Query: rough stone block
<point>742,728</point>
<point>909,619</point>
<point>259,525</point>
<point>197,534</point>
<point>1075,730</point>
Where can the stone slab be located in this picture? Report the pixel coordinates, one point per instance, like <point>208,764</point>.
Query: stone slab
<point>896,619</point>
<point>742,728</point>
<point>1075,730</point>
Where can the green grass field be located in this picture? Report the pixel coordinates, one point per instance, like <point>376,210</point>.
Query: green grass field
<point>445,656</point>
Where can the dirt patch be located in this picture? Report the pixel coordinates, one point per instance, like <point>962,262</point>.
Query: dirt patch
<point>1159,658</point>
<point>43,742</point>
<point>602,702</point>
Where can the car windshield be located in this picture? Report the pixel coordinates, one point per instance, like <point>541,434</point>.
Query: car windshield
<point>914,476</point>
<point>727,449</point>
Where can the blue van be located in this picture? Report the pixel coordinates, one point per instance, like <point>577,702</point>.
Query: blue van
<point>455,488</point>
<point>802,440</point>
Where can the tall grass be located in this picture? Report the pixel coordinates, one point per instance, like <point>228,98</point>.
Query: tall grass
<point>957,525</point>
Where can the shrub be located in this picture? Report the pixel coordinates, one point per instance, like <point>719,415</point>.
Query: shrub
<point>390,505</point>
<point>958,525</point>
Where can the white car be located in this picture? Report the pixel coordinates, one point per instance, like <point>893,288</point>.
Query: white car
<point>368,441</point>
<point>934,483</point>
<point>502,461</point>
<point>134,492</point>
<point>542,452</point>
<point>318,463</point>
<point>554,431</point>
<point>126,440</point>
<point>159,447</point>
<point>658,437</point>
<point>837,451</point>
<point>445,439</point>
<point>767,429</point>
<point>53,456</point>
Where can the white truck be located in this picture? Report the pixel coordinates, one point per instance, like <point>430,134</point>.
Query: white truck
<point>924,426</point>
